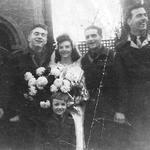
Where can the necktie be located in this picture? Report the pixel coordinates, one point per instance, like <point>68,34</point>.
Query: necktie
<point>138,42</point>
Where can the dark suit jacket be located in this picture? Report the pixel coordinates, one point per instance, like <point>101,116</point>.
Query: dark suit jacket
<point>22,62</point>
<point>132,67</point>
<point>93,71</point>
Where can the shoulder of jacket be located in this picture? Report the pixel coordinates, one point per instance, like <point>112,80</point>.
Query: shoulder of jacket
<point>84,57</point>
<point>111,51</point>
<point>17,53</point>
<point>121,47</point>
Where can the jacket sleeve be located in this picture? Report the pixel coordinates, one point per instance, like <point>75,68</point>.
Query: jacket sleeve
<point>121,83</point>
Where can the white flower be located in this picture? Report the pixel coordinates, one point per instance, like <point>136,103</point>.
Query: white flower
<point>55,71</point>
<point>74,74</point>
<point>32,82</point>
<point>40,71</point>
<point>69,76</point>
<point>44,104</point>
<point>66,86</point>
<point>65,89</point>
<point>32,91</point>
<point>41,82</point>
<point>66,83</point>
<point>28,76</point>
<point>53,88</point>
<point>60,67</point>
<point>48,103</point>
<point>58,82</point>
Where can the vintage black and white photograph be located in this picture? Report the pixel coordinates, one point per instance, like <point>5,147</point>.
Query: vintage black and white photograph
<point>74,75</point>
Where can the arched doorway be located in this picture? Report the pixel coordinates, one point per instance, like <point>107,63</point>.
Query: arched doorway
<point>11,36</point>
<point>4,38</point>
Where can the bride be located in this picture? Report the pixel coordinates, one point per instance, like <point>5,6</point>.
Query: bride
<point>68,57</point>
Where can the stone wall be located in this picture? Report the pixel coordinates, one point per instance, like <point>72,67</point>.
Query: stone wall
<point>18,16</point>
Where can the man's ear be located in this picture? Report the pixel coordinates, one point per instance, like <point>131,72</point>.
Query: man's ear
<point>29,37</point>
<point>129,21</point>
<point>46,41</point>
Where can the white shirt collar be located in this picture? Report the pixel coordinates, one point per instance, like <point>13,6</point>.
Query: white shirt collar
<point>145,42</point>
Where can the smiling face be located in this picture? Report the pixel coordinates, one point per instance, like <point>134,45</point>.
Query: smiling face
<point>37,37</point>
<point>138,20</point>
<point>59,106</point>
<point>65,49</point>
<point>93,39</point>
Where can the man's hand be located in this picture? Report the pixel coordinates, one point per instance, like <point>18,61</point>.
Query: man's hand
<point>119,118</point>
<point>1,112</point>
<point>14,119</point>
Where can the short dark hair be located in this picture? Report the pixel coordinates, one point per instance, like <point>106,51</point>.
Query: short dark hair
<point>65,37</point>
<point>99,30</point>
<point>128,15</point>
<point>43,26</point>
<point>129,10</point>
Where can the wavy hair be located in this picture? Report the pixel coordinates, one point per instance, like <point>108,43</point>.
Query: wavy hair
<point>74,54</point>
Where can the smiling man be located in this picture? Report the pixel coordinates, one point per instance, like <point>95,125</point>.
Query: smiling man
<point>132,66</point>
<point>37,40</point>
<point>97,66</point>
<point>38,37</point>
<point>19,113</point>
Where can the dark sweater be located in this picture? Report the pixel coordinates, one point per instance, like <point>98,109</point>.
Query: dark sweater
<point>56,133</point>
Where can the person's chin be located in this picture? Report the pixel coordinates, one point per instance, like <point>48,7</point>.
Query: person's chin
<point>38,45</point>
<point>65,55</point>
<point>92,47</point>
<point>143,27</point>
<point>60,113</point>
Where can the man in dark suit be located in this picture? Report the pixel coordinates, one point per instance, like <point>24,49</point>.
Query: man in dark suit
<point>97,65</point>
<point>22,111</point>
<point>132,66</point>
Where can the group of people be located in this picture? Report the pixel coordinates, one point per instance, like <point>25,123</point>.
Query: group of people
<point>116,115</point>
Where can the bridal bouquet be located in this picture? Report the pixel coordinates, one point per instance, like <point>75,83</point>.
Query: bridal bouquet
<point>38,84</point>
<point>69,80</point>
<point>44,82</point>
